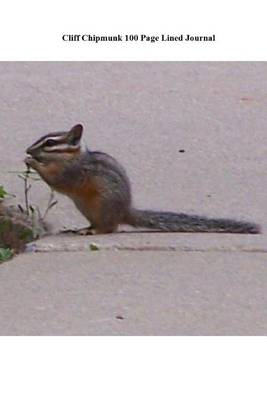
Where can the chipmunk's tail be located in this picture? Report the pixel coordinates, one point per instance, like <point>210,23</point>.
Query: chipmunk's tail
<point>174,222</point>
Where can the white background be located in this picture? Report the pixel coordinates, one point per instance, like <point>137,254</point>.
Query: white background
<point>133,368</point>
<point>33,30</point>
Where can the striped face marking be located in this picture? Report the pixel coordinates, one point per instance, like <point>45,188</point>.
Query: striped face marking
<point>59,145</point>
<point>65,142</point>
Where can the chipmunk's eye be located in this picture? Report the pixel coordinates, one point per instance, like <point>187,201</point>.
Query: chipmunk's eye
<point>50,142</point>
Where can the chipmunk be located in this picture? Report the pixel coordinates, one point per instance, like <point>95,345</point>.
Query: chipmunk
<point>100,189</point>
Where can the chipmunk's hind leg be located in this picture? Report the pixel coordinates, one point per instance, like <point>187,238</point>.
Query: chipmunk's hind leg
<point>109,218</point>
<point>104,229</point>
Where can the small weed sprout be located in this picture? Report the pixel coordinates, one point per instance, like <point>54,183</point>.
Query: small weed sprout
<point>33,211</point>
<point>29,209</point>
<point>51,203</point>
<point>27,186</point>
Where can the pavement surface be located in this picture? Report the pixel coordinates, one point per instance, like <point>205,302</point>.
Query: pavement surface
<point>142,283</point>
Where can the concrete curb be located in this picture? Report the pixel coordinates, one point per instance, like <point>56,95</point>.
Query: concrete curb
<point>143,241</point>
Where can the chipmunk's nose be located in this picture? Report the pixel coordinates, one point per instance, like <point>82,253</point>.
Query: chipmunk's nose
<point>30,151</point>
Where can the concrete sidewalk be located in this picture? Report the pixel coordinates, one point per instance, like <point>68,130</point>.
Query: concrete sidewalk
<point>170,284</point>
<point>141,283</point>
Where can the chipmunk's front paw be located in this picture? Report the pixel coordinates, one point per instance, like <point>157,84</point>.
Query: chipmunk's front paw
<point>82,231</point>
<point>27,160</point>
<point>86,231</point>
<point>30,161</point>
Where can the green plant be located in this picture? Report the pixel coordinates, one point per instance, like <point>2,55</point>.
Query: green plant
<point>3,193</point>
<point>5,254</point>
<point>21,223</point>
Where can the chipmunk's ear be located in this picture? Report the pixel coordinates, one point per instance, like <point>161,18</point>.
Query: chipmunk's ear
<point>75,134</point>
